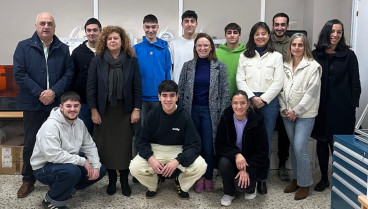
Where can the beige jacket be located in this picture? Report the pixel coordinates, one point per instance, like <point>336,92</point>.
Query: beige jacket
<point>301,90</point>
<point>260,74</point>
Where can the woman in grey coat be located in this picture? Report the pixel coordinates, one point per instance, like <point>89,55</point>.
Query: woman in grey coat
<point>204,91</point>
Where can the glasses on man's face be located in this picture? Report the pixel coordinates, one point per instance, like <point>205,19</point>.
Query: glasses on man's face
<point>206,46</point>
<point>50,24</point>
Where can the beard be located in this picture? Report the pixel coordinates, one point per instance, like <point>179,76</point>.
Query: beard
<point>279,36</point>
<point>69,118</point>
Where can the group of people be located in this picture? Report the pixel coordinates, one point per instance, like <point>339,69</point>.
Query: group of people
<point>186,107</point>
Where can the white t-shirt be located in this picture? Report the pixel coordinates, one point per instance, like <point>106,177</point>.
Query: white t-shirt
<point>181,50</point>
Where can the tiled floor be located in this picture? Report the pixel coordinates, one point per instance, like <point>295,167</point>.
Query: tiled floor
<point>96,197</point>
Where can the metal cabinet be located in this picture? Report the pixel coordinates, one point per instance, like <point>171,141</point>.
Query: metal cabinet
<point>349,172</point>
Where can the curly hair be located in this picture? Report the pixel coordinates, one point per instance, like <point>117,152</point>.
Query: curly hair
<point>125,41</point>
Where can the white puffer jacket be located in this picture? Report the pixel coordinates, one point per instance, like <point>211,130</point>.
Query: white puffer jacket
<point>301,90</point>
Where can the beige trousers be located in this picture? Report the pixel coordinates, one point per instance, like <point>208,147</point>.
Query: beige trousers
<point>142,170</point>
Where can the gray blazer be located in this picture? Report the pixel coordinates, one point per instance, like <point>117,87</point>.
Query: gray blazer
<point>218,92</point>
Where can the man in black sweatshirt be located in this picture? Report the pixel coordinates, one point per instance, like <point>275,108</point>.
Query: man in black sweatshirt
<point>167,141</point>
<point>82,56</point>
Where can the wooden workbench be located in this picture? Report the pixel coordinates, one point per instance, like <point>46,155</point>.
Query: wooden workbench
<point>11,114</point>
<point>364,201</point>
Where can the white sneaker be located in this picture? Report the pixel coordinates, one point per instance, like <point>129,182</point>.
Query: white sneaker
<point>226,200</point>
<point>250,196</point>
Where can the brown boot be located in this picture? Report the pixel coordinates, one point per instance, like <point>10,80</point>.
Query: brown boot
<point>292,187</point>
<point>25,190</point>
<point>301,193</point>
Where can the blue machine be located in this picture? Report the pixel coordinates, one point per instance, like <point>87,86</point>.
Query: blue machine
<point>349,172</point>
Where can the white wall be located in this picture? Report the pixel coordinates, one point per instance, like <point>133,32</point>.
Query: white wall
<point>18,24</point>
<point>360,48</point>
<point>18,19</point>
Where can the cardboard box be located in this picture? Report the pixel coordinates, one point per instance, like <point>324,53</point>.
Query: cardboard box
<point>11,158</point>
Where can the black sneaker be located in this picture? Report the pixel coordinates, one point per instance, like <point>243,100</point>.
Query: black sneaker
<point>321,186</point>
<point>150,194</point>
<point>283,174</point>
<point>183,195</point>
<point>46,204</point>
<point>261,187</point>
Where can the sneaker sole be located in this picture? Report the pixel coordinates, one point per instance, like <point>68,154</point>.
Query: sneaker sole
<point>250,197</point>
<point>147,197</point>
<point>226,205</point>
<point>182,198</point>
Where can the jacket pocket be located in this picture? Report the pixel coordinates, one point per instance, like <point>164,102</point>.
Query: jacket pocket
<point>296,96</point>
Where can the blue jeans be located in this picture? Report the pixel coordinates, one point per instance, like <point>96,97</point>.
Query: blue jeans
<point>299,132</point>
<point>63,179</point>
<point>202,121</point>
<point>85,116</point>
<point>270,112</point>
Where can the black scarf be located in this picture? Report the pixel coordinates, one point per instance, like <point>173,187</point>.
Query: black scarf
<point>115,76</point>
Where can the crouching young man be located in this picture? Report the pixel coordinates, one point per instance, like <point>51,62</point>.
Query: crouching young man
<point>57,156</point>
<point>168,141</point>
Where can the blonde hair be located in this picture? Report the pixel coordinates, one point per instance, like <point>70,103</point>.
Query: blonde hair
<point>125,41</point>
<point>307,51</point>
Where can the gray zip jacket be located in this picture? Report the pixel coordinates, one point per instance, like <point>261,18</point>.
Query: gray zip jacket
<point>59,142</point>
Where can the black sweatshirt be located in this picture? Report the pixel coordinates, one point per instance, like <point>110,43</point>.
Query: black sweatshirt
<point>81,56</point>
<point>174,129</point>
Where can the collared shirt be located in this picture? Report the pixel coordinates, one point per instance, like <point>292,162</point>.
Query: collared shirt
<point>46,52</point>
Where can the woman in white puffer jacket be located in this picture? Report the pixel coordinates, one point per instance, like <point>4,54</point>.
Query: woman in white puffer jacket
<point>299,101</point>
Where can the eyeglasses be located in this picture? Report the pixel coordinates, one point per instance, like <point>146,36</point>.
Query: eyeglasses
<point>204,46</point>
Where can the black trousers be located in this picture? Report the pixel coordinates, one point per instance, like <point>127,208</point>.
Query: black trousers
<point>283,141</point>
<point>228,172</point>
<point>323,155</point>
<point>32,122</point>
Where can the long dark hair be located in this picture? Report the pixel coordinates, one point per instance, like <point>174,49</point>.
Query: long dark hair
<point>251,45</point>
<point>324,41</point>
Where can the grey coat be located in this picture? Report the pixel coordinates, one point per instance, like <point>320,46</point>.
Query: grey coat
<point>218,91</point>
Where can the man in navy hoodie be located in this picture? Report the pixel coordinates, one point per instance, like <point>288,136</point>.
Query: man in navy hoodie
<point>154,63</point>
<point>82,56</point>
<point>168,141</point>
